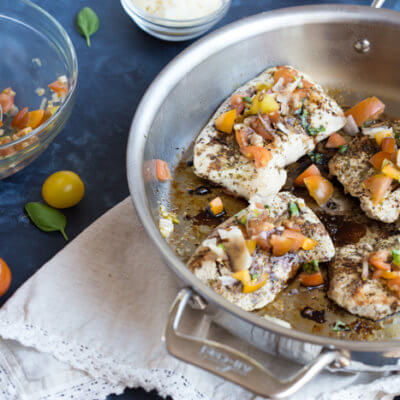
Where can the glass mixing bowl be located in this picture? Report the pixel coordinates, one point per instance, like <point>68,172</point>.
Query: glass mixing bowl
<point>174,30</point>
<point>35,50</point>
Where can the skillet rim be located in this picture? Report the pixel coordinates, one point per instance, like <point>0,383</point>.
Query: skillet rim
<point>166,81</point>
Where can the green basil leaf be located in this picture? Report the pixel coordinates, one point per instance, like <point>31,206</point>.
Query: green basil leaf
<point>87,23</point>
<point>343,148</point>
<point>46,218</point>
<point>294,209</point>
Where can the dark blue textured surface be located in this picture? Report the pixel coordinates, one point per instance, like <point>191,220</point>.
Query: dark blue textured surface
<point>113,75</point>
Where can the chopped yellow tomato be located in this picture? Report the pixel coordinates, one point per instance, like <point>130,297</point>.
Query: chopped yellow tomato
<point>309,244</point>
<point>391,171</point>
<point>280,245</point>
<point>216,206</point>
<point>260,155</point>
<point>162,171</point>
<point>263,102</point>
<point>311,280</point>
<point>379,136</point>
<point>378,159</point>
<point>35,118</point>
<point>378,185</point>
<point>251,245</point>
<point>225,121</point>
<point>366,110</point>
<point>249,285</point>
<point>319,188</point>
<point>335,141</point>
<point>263,86</point>
<point>312,170</point>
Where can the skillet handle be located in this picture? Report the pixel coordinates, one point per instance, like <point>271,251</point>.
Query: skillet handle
<point>236,366</point>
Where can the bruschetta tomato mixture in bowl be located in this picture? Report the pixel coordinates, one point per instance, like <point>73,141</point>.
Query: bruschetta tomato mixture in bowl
<point>38,81</point>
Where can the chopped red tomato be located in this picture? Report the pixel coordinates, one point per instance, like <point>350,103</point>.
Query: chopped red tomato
<point>287,74</point>
<point>237,103</point>
<point>260,155</point>
<point>5,277</point>
<point>319,188</point>
<point>379,260</point>
<point>296,237</point>
<point>162,171</point>
<point>335,141</point>
<point>378,185</point>
<point>311,280</point>
<point>312,170</point>
<point>21,119</point>
<point>280,245</point>
<point>7,99</point>
<point>389,144</point>
<point>378,159</point>
<point>365,110</point>
<point>59,87</point>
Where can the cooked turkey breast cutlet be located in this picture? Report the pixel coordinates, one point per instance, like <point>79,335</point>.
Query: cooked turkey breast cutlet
<point>353,168</point>
<point>370,298</point>
<point>225,251</point>
<point>305,116</point>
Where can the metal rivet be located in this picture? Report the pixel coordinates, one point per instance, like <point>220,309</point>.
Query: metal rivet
<point>197,302</point>
<point>362,46</point>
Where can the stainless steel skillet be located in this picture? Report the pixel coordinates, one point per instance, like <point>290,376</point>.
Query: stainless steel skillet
<point>352,48</point>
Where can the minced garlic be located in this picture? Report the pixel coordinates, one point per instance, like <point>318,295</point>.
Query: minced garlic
<point>179,9</point>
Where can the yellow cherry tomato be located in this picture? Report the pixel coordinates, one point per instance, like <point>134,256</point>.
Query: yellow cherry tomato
<point>63,189</point>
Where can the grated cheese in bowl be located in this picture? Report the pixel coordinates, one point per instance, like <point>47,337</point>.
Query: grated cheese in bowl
<point>179,9</point>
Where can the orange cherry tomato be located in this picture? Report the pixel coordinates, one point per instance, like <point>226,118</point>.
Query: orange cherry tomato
<point>296,237</point>
<point>379,260</point>
<point>335,141</point>
<point>280,245</point>
<point>389,144</point>
<point>319,188</point>
<point>365,110</point>
<point>5,277</point>
<point>311,280</point>
<point>216,206</point>
<point>59,87</point>
<point>312,170</point>
<point>378,185</point>
<point>287,74</point>
<point>21,119</point>
<point>162,171</point>
<point>35,118</point>
<point>377,159</point>
<point>260,155</point>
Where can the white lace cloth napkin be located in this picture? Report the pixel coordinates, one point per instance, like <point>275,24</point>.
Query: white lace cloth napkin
<point>89,323</point>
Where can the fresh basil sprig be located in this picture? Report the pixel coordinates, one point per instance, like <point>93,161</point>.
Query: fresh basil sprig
<point>87,23</point>
<point>46,218</point>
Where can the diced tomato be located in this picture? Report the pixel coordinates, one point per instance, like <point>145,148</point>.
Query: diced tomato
<point>379,260</point>
<point>5,277</point>
<point>309,244</point>
<point>59,87</point>
<point>365,110</point>
<point>7,99</point>
<point>394,285</point>
<point>296,237</point>
<point>242,135</point>
<point>237,103</point>
<point>280,245</point>
<point>251,245</point>
<point>275,117</point>
<point>255,226</point>
<point>255,284</point>
<point>260,155</point>
<point>225,121</point>
<point>162,171</point>
<point>35,118</point>
<point>385,133</point>
<point>378,185</point>
<point>291,225</point>
<point>391,171</point>
<point>335,141</point>
<point>390,275</point>
<point>319,188</point>
<point>311,280</point>
<point>21,119</point>
<point>377,159</point>
<point>312,170</point>
<point>216,206</point>
<point>288,74</point>
<point>389,144</point>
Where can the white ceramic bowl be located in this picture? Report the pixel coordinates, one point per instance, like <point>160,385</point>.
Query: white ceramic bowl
<point>174,30</point>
